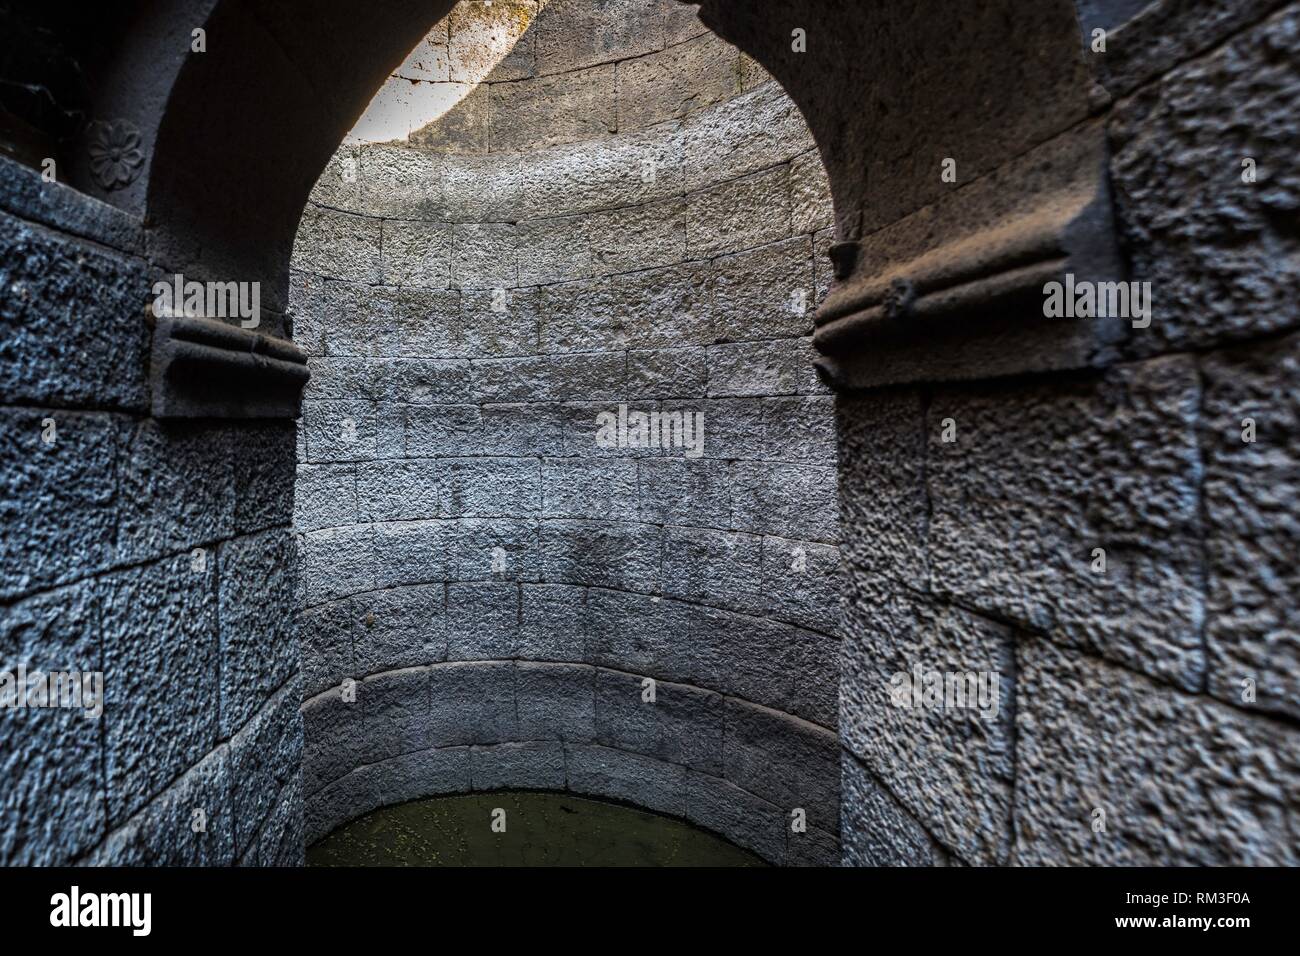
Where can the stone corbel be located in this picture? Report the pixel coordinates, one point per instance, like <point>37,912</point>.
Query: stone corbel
<point>204,368</point>
<point>957,289</point>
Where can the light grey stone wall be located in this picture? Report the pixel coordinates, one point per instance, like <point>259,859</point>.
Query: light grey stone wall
<point>643,208</point>
<point>153,553</point>
<point>1124,694</point>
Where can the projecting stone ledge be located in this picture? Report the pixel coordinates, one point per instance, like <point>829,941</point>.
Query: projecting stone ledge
<point>957,289</point>
<point>204,368</point>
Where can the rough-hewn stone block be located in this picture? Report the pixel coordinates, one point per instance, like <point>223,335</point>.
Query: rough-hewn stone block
<point>1181,779</point>
<point>1221,254</point>
<point>948,760</point>
<point>536,765</point>
<point>671,83</point>
<point>681,725</point>
<point>398,627</point>
<point>416,253</point>
<point>339,245</point>
<point>259,640</point>
<point>875,829</point>
<point>740,214</point>
<point>161,664</point>
<point>787,761</point>
<point>714,567</point>
<point>645,781</point>
<point>1252,529</point>
<point>601,553</point>
<point>482,621</point>
<point>52,752</point>
<point>555,701</point>
<point>57,499</point>
<point>1039,477</point>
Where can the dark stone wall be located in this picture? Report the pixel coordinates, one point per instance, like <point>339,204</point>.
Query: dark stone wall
<point>153,552</point>
<point>1123,691</point>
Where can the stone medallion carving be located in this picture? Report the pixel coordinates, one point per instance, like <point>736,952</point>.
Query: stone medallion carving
<point>115,155</point>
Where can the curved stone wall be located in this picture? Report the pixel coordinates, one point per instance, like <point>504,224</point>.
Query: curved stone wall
<point>624,213</point>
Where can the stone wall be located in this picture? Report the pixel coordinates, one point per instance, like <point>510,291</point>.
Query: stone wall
<point>153,553</point>
<point>1158,698</point>
<point>624,212</point>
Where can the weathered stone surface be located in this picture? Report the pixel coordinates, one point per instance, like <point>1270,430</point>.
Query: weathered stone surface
<point>1220,253</point>
<point>337,562</point>
<point>339,245</point>
<point>765,662</point>
<point>325,496</point>
<point>883,503</point>
<point>494,550</point>
<point>1146,40</point>
<point>57,499</point>
<point>164,833</point>
<point>161,655</point>
<point>811,847</point>
<point>554,109</point>
<point>638,237</point>
<point>265,756</point>
<point>766,292</point>
<point>589,488</point>
<point>875,829</point>
<point>741,817</point>
<point>399,490</point>
<point>258,653</point>
<point>810,194</point>
<point>630,169</point>
<point>681,491</point>
<point>545,378</point>
<point>556,701</point>
<point>71,321</point>
<point>658,308</point>
<point>714,567</point>
<point>51,752</point>
<point>476,29</point>
<point>412,552</point>
<point>325,637</point>
<point>1039,477</point>
<point>431,323</point>
<point>416,253</point>
<point>645,781</point>
<point>572,34</point>
<point>482,621</point>
<point>473,703</point>
<point>782,367</point>
<point>1181,779</point>
<point>948,762</point>
<point>484,256</point>
<point>638,632</point>
<point>176,486</point>
<point>681,725</point>
<point>282,841</point>
<point>667,373</point>
<point>795,501</point>
<point>334,732</point>
<point>739,214</point>
<point>1252,532</point>
<point>801,583</point>
<point>601,553</point>
<point>537,765</point>
<point>553,623</point>
<point>787,761</point>
<point>743,135</point>
<point>400,183</point>
<point>671,83</point>
<point>398,627</point>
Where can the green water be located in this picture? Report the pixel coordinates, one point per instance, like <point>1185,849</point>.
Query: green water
<point>541,829</point>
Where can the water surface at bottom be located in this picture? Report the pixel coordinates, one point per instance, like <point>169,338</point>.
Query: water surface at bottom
<point>541,829</point>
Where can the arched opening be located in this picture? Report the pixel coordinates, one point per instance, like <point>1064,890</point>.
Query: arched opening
<point>566,469</point>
